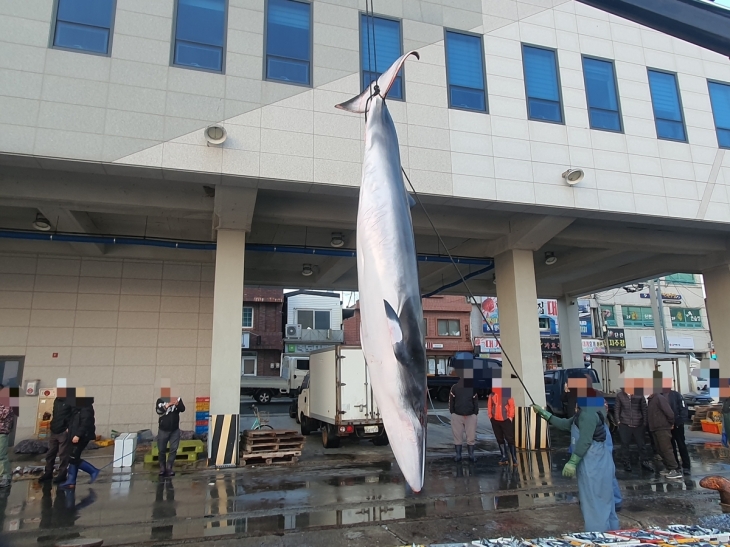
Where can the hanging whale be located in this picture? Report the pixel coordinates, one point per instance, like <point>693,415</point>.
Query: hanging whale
<point>390,299</point>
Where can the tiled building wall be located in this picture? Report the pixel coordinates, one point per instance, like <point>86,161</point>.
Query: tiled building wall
<point>66,104</point>
<point>117,327</point>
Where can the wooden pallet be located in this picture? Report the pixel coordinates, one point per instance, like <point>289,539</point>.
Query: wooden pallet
<point>271,458</point>
<point>271,441</point>
<point>701,414</point>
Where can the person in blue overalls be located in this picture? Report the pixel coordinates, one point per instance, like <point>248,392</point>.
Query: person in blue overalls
<point>591,458</point>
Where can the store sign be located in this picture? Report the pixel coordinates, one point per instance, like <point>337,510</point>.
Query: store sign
<point>674,342</point>
<point>550,345</point>
<point>616,339</point>
<point>438,346</point>
<point>667,298</point>
<point>547,311</point>
<point>686,318</point>
<point>305,348</point>
<point>593,346</point>
<point>487,345</point>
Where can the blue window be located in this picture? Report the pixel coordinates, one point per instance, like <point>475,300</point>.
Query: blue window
<point>200,28</point>
<point>380,45</point>
<point>603,109</point>
<point>288,42</point>
<point>720,99</point>
<point>84,25</point>
<point>465,71</point>
<point>541,81</point>
<point>667,107</point>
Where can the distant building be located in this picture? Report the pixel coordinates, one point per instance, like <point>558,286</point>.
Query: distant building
<point>629,320</point>
<point>448,329</point>
<point>261,331</point>
<point>313,321</point>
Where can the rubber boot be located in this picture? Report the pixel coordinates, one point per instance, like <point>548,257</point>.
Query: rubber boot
<point>86,467</point>
<point>513,451</point>
<point>504,460</point>
<point>60,477</point>
<point>470,449</point>
<point>70,482</point>
<point>457,447</point>
<point>170,471</point>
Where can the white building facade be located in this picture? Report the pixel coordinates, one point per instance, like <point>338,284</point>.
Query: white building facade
<point>103,136</point>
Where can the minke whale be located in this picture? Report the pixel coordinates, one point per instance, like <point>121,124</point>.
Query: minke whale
<point>390,299</point>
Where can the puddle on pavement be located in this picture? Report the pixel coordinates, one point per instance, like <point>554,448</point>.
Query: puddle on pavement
<point>340,491</point>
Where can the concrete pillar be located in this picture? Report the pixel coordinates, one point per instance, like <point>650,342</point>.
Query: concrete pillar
<point>717,293</point>
<point>518,322</point>
<point>571,347</point>
<point>225,363</point>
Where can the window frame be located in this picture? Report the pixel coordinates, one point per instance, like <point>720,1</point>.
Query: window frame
<point>679,99</point>
<point>242,316</point>
<point>686,324</point>
<point>612,62</point>
<point>402,71</point>
<point>314,317</point>
<point>173,39</point>
<point>484,70</point>
<point>714,119</point>
<point>52,33</point>
<point>560,85</point>
<point>633,324</point>
<point>250,355</point>
<point>448,328</point>
<point>613,313</point>
<point>311,45</point>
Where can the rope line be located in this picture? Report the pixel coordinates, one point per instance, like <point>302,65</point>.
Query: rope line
<point>463,280</point>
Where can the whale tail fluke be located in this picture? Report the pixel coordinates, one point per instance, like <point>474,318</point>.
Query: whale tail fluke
<point>359,103</point>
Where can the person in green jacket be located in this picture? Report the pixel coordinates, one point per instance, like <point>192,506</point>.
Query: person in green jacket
<point>591,459</point>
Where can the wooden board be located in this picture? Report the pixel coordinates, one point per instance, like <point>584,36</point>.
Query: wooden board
<point>271,441</point>
<point>271,458</point>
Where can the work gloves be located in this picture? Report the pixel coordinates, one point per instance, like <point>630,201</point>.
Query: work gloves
<point>570,468</point>
<point>542,412</point>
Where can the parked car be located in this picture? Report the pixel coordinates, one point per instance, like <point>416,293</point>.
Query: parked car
<point>693,400</point>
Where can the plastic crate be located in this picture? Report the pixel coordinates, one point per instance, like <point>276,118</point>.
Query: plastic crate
<point>709,426</point>
<point>202,415</point>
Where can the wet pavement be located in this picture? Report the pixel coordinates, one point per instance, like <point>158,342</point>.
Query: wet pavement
<point>355,496</point>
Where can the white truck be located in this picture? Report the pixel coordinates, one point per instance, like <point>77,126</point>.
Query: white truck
<point>291,375</point>
<point>337,398</point>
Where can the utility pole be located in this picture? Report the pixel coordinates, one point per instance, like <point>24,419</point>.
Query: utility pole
<point>657,311</point>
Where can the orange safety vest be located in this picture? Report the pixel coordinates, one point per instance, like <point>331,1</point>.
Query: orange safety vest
<point>499,410</point>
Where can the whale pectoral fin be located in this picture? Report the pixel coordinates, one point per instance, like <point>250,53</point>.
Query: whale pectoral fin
<point>411,201</point>
<point>405,333</point>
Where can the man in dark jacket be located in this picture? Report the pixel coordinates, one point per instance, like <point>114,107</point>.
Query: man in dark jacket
<point>661,422</point>
<point>464,408</point>
<point>59,443</point>
<point>630,413</point>
<point>169,431</point>
<point>681,417</point>
<point>81,430</point>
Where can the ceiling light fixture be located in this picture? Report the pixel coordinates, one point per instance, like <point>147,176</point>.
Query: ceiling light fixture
<point>307,270</point>
<point>550,258</point>
<point>337,239</point>
<point>41,223</point>
<point>573,176</point>
<point>215,135</point>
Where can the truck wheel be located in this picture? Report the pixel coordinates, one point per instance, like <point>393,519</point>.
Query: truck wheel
<point>381,440</point>
<point>293,411</point>
<point>304,424</point>
<point>263,396</point>
<point>329,438</point>
<point>443,394</point>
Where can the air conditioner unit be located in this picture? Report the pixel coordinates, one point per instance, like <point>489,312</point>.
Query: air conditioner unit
<point>293,332</point>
